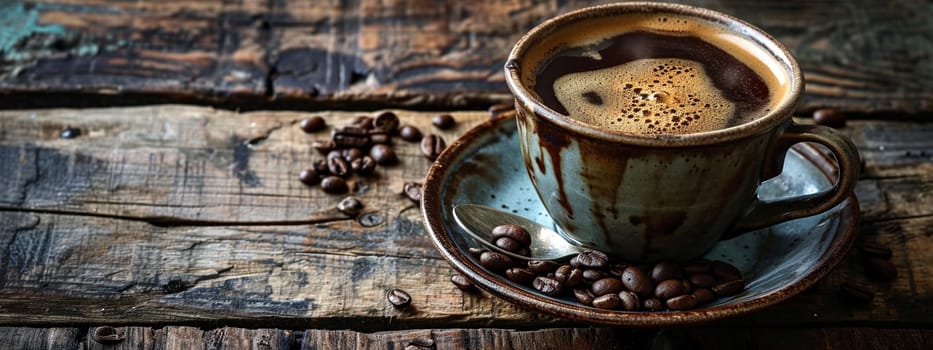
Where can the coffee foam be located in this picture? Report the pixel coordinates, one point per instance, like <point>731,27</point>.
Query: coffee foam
<point>594,30</point>
<point>646,96</point>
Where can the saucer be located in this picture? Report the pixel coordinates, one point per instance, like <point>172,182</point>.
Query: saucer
<point>485,167</point>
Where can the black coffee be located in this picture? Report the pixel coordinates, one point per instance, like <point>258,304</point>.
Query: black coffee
<point>657,81</point>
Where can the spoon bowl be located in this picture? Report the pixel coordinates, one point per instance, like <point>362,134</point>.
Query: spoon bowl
<point>546,244</point>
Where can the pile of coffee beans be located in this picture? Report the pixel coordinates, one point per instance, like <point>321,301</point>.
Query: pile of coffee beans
<point>361,145</point>
<point>594,280</point>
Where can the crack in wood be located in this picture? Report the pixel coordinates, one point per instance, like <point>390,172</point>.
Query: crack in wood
<point>331,215</point>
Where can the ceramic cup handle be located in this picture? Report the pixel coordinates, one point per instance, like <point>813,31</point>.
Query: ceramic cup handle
<point>766,213</point>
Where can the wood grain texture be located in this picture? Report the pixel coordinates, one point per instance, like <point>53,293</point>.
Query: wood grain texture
<point>151,216</point>
<point>228,338</point>
<point>22,338</point>
<point>861,56</point>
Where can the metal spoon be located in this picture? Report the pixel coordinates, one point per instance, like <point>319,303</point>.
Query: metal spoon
<point>546,244</point>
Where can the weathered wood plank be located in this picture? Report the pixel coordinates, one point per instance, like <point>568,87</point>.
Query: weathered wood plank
<point>21,338</point>
<point>866,56</point>
<point>783,338</point>
<point>188,163</point>
<point>104,270</point>
<point>228,338</point>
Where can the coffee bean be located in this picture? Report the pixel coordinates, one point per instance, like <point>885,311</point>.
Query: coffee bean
<point>616,269</point>
<point>500,108</point>
<point>324,146</point>
<point>568,275</point>
<point>312,124</point>
<point>495,261</point>
<point>432,146</point>
<point>337,165</point>
<point>462,282</point>
<point>833,118</point>
<point>334,185</point>
<point>422,343</point>
<point>592,258</point>
<point>688,287</point>
<point>508,244</point>
<point>666,270</point>
<point>387,121</point>
<point>309,177</point>
<point>669,288</point>
<point>606,285</point>
<point>542,266</point>
<point>350,136</point>
<point>874,250</point>
<point>653,304</point>
<point>880,269</point>
<point>856,294</point>
<point>350,205</point>
<point>702,280</point>
<point>636,280</point>
<point>683,302</point>
<point>379,136</point>
<point>70,133</point>
<point>108,335</point>
<point>398,298</point>
<point>444,121</point>
<point>608,301</point>
<point>519,275</point>
<point>729,288</point>
<point>320,166</point>
<point>351,154</point>
<point>475,252</point>
<point>412,190</point>
<point>697,266</point>
<point>383,154</point>
<point>593,275</point>
<point>703,295</point>
<point>630,300</point>
<point>724,271</point>
<point>365,165</point>
<point>583,295</point>
<point>410,133</point>
<point>362,121</point>
<point>547,286</point>
<point>518,233</point>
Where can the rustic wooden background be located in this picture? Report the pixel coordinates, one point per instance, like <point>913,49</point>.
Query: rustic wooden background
<point>186,224</point>
<point>863,56</point>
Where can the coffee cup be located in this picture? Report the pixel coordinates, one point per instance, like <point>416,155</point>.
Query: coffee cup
<point>647,128</point>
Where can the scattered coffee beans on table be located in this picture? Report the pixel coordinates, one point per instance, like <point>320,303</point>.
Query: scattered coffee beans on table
<point>444,121</point>
<point>412,190</point>
<point>350,205</point>
<point>352,149</point>
<point>875,259</point>
<point>312,124</point>
<point>593,279</point>
<point>830,117</point>
<point>432,146</point>
<point>398,298</point>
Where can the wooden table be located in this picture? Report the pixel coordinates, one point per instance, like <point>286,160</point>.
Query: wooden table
<point>177,217</point>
